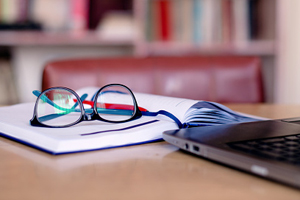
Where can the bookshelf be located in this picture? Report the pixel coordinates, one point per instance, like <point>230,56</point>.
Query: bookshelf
<point>241,37</point>
<point>153,32</point>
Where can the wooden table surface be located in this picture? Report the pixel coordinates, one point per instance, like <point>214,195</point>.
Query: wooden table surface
<point>149,171</point>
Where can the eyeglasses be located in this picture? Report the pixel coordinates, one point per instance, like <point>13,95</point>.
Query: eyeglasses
<point>59,107</point>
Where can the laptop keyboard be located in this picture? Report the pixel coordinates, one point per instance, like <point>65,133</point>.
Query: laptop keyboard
<point>286,148</point>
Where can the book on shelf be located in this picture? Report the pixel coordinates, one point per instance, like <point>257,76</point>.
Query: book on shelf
<point>197,20</point>
<point>164,12</point>
<point>227,20</point>
<point>240,21</point>
<point>94,135</point>
<point>265,15</point>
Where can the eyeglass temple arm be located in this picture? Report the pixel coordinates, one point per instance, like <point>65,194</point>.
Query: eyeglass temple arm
<point>166,113</point>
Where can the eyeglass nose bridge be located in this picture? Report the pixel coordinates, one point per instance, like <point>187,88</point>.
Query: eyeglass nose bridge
<point>87,117</point>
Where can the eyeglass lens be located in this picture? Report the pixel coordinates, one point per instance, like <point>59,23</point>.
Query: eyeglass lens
<point>115,103</point>
<point>58,107</point>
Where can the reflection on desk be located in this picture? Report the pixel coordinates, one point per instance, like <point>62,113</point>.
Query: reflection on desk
<point>149,171</point>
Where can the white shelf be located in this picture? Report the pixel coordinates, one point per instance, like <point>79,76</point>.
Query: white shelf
<point>260,48</point>
<point>37,38</point>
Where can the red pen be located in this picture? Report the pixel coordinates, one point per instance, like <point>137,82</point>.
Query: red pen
<point>111,106</point>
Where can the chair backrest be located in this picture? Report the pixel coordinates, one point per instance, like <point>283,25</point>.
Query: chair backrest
<point>230,79</point>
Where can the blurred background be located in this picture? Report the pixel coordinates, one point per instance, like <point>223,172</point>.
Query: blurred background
<point>34,32</point>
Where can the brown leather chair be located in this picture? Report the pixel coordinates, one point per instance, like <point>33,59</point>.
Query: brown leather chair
<point>230,79</point>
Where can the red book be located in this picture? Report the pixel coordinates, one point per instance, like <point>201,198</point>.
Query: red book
<point>164,20</point>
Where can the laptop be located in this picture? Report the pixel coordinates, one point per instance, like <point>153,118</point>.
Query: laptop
<point>270,149</point>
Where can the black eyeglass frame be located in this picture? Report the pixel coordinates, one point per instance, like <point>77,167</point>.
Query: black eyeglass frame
<point>84,116</point>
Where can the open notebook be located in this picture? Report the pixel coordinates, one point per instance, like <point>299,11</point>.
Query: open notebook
<point>92,135</point>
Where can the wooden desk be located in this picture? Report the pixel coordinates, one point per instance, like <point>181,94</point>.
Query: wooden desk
<point>150,171</point>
